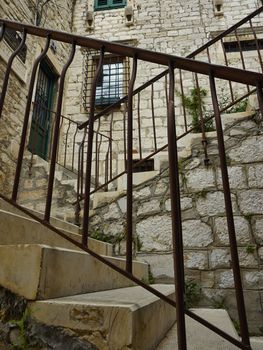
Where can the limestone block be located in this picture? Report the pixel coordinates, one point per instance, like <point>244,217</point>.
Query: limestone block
<point>219,258</point>
<point>258,230</point>
<point>162,266</point>
<point>155,233</point>
<point>253,279</point>
<point>122,202</point>
<point>200,178</point>
<point>113,229</point>
<point>251,201</point>
<point>143,192</point>
<point>250,149</point>
<point>196,234</point>
<point>160,188</point>
<point>260,253</point>
<point>150,207</point>
<point>186,203</point>
<point>207,279</point>
<point>241,226</point>
<point>225,279</point>
<point>113,212</point>
<point>255,176</point>
<point>237,178</point>
<point>213,204</point>
<point>247,259</point>
<point>196,260</point>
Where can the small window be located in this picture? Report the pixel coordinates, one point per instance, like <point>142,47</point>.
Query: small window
<point>112,83</point>
<point>147,165</point>
<point>14,39</point>
<point>246,45</point>
<point>109,4</point>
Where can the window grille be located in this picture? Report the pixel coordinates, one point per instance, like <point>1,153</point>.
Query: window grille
<point>109,4</point>
<point>147,165</point>
<point>246,45</point>
<point>14,39</point>
<point>113,81</point>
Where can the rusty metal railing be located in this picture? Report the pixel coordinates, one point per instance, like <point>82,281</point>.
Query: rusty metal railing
<point>207,72</point>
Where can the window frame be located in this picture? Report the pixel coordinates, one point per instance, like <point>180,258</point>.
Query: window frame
<point>109,6</point>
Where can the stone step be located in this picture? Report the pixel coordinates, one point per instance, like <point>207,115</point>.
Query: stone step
<point>16,229</point>
<point>200,337</point>
<point>61,224</point>
<point>123,319</point>
<point>43,272</point>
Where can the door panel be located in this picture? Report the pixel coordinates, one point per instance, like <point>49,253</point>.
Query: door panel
<point>42,116</point>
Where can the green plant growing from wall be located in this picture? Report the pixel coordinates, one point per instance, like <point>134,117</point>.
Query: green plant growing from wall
<point>192,293</point>
<point>194,104</point>
<point>225,100</point>
<point>22,342</point>
<point>250,249</point>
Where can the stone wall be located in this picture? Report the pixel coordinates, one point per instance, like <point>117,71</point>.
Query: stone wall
<point>172,27</point>
<point>55,15</point>
<point>206,244</point>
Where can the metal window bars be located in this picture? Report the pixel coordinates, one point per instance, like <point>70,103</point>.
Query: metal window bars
<point>206,72</point>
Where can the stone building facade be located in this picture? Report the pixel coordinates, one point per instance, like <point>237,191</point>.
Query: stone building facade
<point>56,14</point>
<point>172,27</point>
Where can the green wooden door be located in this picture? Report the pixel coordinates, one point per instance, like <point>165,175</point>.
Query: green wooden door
<point>42,116</point>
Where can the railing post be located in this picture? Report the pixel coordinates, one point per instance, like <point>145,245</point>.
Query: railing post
<point>89,150</point>
<point>8,70</point>
<point>176,216</point>
<point>56,134</point>
<point>230,218</point>
<point>26,119</point>
<point>260,97</point>
<point>2,32</point>
<point>130,169</point>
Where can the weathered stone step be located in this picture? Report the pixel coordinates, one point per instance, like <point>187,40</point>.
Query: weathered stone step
<point>43,272</point>
<point>15,229</point>
<point>122,319</point>
<point>64,225</point>
<point>200,337</point>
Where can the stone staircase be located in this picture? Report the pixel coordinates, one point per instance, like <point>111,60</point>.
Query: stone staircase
<point>68,288</point>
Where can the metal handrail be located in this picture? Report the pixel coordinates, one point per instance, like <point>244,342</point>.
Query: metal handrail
<point>220,72</point>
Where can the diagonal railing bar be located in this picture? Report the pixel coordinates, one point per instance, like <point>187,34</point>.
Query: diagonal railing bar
<point>126,274</point>
<point>191,129</point>
<point>191,55</point>
<point>220,72</point>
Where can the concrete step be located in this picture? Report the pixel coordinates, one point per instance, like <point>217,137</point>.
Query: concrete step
<point>61,224</point>
<point>122,319</point>
<point>43,272</point>
<point>200,337</point>
<point>16,229</point>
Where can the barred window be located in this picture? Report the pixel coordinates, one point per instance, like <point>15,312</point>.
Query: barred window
<point>113,80</point>
<point>13,39</point>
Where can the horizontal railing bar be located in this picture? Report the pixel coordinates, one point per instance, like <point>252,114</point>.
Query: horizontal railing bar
<point>220,72</point>
<point>126,274</point>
